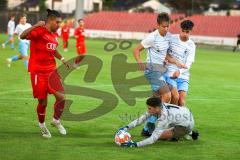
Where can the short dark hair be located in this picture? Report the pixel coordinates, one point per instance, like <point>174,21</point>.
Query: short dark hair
<point>80,20</point>
<point>154,102</point>
<point>163,17</point>
<point>53,13</point>
<point>187,25</point>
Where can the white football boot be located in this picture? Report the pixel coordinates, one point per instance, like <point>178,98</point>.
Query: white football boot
<point>44,130</point>
<point>59,126</point>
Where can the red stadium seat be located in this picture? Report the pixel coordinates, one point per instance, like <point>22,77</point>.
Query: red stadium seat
<point>221,26</point>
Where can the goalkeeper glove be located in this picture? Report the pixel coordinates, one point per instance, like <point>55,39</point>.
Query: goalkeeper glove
<point>125,128</point>
<point>129,144</point>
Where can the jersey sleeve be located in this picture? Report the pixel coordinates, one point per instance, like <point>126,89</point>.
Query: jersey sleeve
<point>9,24</point>
<point>190,58</point>
<point>139,121</point>
<point>76,32</point>
<point>161,124</point>
<point>148,41</point>
<point>33,34</point>
<point>17,30</point>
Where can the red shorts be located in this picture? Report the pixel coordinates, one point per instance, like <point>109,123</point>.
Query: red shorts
<point>45,83</point>
<point>81,49</point>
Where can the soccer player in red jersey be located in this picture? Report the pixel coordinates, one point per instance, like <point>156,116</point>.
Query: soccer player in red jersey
<point>65,30</point>
<point>42,65</point>
<point>80,38</point>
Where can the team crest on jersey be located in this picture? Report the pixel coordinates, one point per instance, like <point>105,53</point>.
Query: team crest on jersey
<point>51,46</point>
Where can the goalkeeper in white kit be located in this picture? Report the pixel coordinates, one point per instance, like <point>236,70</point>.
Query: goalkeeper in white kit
<point>173,122</point>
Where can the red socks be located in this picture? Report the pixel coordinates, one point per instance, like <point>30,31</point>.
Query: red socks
<point>41,112</point>
<point>58,109</point>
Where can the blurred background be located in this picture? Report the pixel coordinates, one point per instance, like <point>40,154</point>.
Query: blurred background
<point>217,22</point>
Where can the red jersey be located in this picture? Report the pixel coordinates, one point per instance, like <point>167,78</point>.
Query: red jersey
<point>43,44</point>
<point>81,37</point>
<point>65,30</point>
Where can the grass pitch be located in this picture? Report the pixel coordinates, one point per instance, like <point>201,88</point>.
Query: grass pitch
<point>213,97</point>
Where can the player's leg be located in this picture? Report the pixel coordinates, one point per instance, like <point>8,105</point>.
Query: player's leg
<point>41,112</point>
<point>24,52</point>
<point>55,87</point>
<point>65,45</point>
<point>174,132</point>
<point>172,83</point>
<point>158,84</point>
<point>174,96</point>
<point>11,40</point>
<point>182,95</point>
<point>182,86</point>
<point>58,110</point>
<point>149,127</point>
<point>7,41</point>
<point>16,57</point>
<point>81,49</point>
<point>39,87</point>
<point>160,89</point>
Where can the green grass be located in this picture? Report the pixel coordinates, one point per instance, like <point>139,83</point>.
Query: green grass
<point>213,97</point>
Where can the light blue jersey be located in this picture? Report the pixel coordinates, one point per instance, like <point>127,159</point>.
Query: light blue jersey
<point>23,44</point>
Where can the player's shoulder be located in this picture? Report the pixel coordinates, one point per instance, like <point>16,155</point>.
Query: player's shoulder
<point>174,37</point>
<point>153,35</point>
<point>40,30</point>
<point>191,43</point>
<point>28,24</point>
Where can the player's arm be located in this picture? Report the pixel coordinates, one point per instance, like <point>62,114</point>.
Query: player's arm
<point>136,53</point>
<point>171,59</point>
<point>136,122</point>
<point>190,60</point>
<point>61,58</point>
<point>27,31</point>
<point>158,133</point>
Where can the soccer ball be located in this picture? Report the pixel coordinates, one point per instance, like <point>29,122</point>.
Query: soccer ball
<point>121,137</point>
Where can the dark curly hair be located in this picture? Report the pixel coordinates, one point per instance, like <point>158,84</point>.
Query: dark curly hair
<point>187,25</point>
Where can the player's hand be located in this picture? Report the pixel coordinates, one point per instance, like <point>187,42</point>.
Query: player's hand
<point>129,144</point>
<point>180,65</point>
<point>66,64</point>
<point>141,66</point>
<point>40,23</point>
<point>165,62</point>
<point>125,128</point>
<point>176,74</point>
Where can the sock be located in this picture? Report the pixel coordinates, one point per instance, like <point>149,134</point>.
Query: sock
<point>41,112</point>
<point>14,58</point>
<point>58,109</point>
<point>41,125</point>
<point>26,63</point>
<point>55,120</point>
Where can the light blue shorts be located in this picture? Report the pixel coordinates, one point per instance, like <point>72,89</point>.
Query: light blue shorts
<point>155,79</point>
<point>23,48</point>
<point>182,84</point>
<point>179,83</point>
